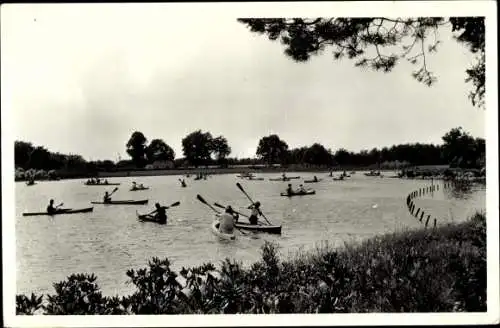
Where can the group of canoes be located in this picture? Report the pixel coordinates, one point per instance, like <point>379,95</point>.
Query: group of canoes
<point>226,222</point>
<point>99,182</point>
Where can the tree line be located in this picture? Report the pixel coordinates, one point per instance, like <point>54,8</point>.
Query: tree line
<point>459,149</point>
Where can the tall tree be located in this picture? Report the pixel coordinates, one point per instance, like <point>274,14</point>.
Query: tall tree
<point>22,153</point>
<point>197,147</point>
<point>317,155</point>
<point>378,42</point>
<point>342,157</point>
<point>272,149</point>
<point>460,149</point>
<point>158,150</point>
<point>136,148</point>
<point>221,149</point>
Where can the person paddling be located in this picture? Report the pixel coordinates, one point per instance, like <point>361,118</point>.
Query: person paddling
<point>183,183</point>
<point>254,216</point>
<point>284,176</point>
<point>315,179</point>
<point>289,190</point>
<point>302,189</point>
<point>51,209</point>
<point>226,221</point>
<point>235,215</point>
<point>159,214</point>
<point>107,196</point>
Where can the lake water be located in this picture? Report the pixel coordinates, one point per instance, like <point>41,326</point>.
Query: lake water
<point>110,240</point>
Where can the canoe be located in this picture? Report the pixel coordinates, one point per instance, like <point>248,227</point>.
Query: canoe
<point>65,211</point>
<point>224,236</point>
<point>101,184</point>
<point>308,192</point>
<point>286,179</point>
<point>147,218</point>
<point>31,184</point>
<point>338,179</point>
<point>138,189</point>
<point>312,181</point>
<point>124,202</point>
<point>259,227</point>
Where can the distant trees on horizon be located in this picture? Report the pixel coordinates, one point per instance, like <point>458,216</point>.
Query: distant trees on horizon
<point>459,149</point>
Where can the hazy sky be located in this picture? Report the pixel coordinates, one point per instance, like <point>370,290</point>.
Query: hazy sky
<point>82,78</point>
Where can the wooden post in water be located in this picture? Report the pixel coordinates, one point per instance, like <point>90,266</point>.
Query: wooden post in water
<point>418,211</point>
<point>421,215</point>
<point>427,221</point>
<point>435,222</point>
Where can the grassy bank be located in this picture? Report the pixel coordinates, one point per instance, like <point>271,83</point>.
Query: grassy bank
<point>438,270</point>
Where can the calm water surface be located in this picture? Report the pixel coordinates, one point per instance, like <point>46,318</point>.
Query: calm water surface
<point>110,240</point>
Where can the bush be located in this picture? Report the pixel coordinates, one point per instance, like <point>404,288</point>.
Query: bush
<point>438,270</point>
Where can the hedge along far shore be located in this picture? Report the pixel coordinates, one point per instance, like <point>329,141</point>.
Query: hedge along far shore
<point>433,270</point>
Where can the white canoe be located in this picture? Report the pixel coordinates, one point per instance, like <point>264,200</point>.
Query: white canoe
<point>221,235</point>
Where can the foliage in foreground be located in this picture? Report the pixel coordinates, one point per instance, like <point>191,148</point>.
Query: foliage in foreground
<point>437,270</point>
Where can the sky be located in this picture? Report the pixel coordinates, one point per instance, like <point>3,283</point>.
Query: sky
<point>82,78</point>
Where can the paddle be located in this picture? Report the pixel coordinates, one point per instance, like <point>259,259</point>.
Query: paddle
<point>221,206</point>
<point>205,202</point>
<point>61,209</point>
<point>241,188</point>
<point>149,214</point>
<point>174,204</point>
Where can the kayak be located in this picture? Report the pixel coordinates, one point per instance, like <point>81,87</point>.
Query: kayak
<point>245,176</point>
<point>312,181</point>
<point>338,179</point>
<point>259,227</point>
<point>225,236</point>
<point>148,218</point>
<point>101,184</point>
<point>284,179</point>
<point>64,211</point>
<point>124,202</point>
<point>307,192</point>
<point>138,189</point>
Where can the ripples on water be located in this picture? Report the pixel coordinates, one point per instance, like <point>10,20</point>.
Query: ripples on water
<point>110,240</point>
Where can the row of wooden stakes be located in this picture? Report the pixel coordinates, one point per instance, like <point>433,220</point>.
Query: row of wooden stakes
<point>411,205</point>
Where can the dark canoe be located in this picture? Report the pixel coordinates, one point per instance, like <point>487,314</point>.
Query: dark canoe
<point>258,227</point>
<point>308,192</point>
<point>284,179</point>
<point>101,184</point>
<point>312,181</point>
<point>124,202</point>
<point>65,211</point>
<point>147,218</point>
<point>139,189</point>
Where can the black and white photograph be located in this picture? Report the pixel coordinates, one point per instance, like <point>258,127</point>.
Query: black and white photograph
<point>230,164</point>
